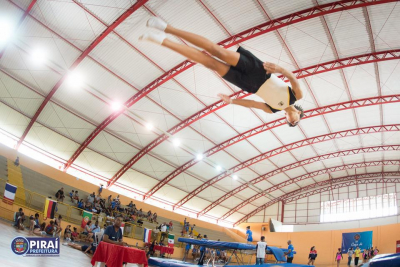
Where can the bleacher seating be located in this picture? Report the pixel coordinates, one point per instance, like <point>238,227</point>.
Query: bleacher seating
<point>41,185</point>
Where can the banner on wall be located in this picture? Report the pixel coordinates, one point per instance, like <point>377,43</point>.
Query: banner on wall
<point>363,240</point>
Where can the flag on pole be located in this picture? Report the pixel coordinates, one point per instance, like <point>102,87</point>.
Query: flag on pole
<point>86,216</point>
<point>171,240</point>
<point>50,208</point>
<point>9,194</point>
<point>147,235</point>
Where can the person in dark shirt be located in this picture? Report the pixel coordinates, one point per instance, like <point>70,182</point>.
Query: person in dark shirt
<point>85,249</point>
<point>19,223</point>
<point>16,162</point>
<point>60,194</point>
<point>202,252</point>
<point>50,228</point>
<point>113,233</point>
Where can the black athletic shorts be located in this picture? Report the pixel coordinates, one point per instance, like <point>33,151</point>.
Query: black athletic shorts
<point>249,73</point>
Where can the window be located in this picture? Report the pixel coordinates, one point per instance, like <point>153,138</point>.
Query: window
<point>359,208</point>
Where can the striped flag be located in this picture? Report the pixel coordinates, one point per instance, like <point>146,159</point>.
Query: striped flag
<point>9,194</point>
<point>147,235</point>
<point>50,208</point>
<point>171,240</point>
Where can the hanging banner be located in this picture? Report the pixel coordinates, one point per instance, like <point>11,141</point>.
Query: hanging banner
<point>363,240</point>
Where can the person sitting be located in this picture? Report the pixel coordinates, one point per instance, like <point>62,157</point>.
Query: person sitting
<point>57,225</point>
<point>19,223</point>
<point>113,233</point>
<point>81,205</point>
<point>149,216</point>
<point>60,195</point>
<point>76,197</point>
<point>16,162</point>
<point>35,225</point>
<point>42,229</point>
<point>95,227</point>
<point>71,195</point>
<point>49,230</point>
<point>67,233</point>
<point>87,231</point>
<point>171,226</point>
<point>88,206</point>
<point>75,235</point>
<point>155,217</point>
<point>17,214</point>
<point>130,204</point>
<point>151,249</point>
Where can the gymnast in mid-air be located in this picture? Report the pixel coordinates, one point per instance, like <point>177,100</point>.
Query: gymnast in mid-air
<point>240,68</point>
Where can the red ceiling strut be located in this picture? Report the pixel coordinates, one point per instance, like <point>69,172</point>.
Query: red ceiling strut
<point>301,73</point>
<point>268,126</point>
<point>85,53</point>
<point>348,181</point>
<point>285,148</point>
<point>307,176</point>
<point>295,165</point>
<point>26,12</point>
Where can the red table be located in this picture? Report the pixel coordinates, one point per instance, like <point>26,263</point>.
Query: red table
<point>163,249</point>
<point>114,255</point>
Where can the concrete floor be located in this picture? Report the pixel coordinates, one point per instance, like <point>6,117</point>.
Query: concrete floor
<point>68,257</point>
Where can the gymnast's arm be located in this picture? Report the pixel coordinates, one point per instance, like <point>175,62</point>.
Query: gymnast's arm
<point>246,103</point>
<point>273,68</point>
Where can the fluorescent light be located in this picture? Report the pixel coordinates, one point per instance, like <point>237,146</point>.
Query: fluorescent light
<point>6,30</point>
<point>38,56</point>
<point>74,79</point>
<point>176,142</point>
<point>219,168</point>
<point>199,156</point>
<point>116,106</point>
<point>235,177</point>
<point>149,126</point>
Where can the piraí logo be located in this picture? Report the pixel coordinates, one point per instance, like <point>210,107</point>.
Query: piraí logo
<point>36,246</point>
<point>19,245</point>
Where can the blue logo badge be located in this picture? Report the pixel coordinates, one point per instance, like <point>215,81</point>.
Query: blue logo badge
<point>36,246</point>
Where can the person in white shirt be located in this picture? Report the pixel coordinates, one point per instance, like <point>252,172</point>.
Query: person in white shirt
<point>261,248</point>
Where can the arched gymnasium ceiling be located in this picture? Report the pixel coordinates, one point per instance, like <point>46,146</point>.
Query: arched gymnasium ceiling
<point>345,53</point>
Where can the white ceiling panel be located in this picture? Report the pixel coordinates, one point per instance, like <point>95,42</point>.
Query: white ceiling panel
<point>95,162</point>
<point>12,121</point>
<point>138,181</point>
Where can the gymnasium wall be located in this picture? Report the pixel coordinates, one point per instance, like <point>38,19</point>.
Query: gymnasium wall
<point>326,242</point>
<point>83,186</point>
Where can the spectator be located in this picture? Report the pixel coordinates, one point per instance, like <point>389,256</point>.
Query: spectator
<point>249,235</point>
<point>60,195</point>
<point>98,198</point>
<point>187,227</point>
<point>357,253</point>
<point>130,204</point>
<point>261,248</point>
<point>42,229</point>
<point>202,252</point>
<point>16,162</point>
<point>149,216</point>
<point>50,228</point>
<point>87,231</point>
<point>338,256</point>
<point>67,233</point>
<point>113,233</point>
<point>19,223</point>
<point>75,235</point>
<point>289,253</point>
<point>81,204</point>
<point>85,249</point>
<point>171,225</point>
<point>155,217</point>
<point>76,197</point>
<point>350,253</point>
<point>151,249</point>
<point>57,225</point>
<point>187,250</point>
<point>95,227</point>
<point>88,206</point>
<point>312,256</point>
<point>191,229</point>
<point>100,189</point>
<point>109,200</point>
<point>17,214</point>
<point>376,251</point>
<point>71,195</point>
<point>36,225</point>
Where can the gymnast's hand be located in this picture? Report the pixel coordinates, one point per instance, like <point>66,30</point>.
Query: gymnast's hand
<point>272,68</point>
<point>225,98</point>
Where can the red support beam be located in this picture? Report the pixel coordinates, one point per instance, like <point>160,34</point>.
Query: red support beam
<point>269,126</point>
<point>301,73</point>
<point>298,164</point>
<point>84,54</point>
<point>286,148</point>
<point>336,183</point>
<point>308,176</point>
<point>26,12</point>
